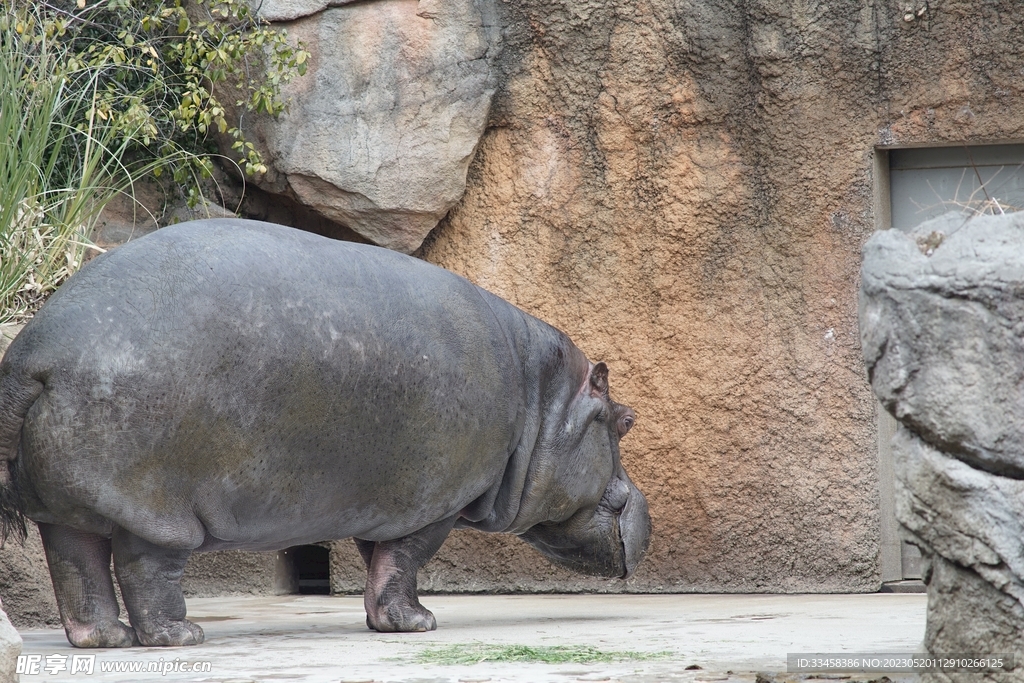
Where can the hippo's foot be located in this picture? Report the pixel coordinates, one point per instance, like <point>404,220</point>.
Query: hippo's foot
<point>397,610</point>
<point>395,617</point>
<point>174,634</point>
<point>80,568</point>
<point>110,634</point>
<point>150,577</point>
<point>390,595</point>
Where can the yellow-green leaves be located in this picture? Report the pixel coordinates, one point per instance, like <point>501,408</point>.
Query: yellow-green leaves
<point>162,70</point>
<point>93,99</point>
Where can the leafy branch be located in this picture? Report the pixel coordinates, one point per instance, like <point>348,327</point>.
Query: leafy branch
<point>161,66</point>
<point>96,95</point>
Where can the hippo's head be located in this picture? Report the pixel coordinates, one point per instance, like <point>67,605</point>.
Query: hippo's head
<point>596,518</point>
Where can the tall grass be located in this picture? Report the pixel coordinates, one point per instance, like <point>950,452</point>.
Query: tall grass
<point>60,164</point>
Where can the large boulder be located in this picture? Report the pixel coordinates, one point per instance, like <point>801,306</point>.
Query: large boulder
<point>10,648</point>
<point>382,127</point>
<point>942,332</point>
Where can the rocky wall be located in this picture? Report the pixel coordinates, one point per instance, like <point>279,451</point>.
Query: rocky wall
<point>684,187</point>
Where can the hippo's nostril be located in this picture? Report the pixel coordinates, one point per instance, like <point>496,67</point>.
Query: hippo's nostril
<point>616,494</point>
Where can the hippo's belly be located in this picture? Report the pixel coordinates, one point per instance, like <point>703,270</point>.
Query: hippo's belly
<point>296,398</point>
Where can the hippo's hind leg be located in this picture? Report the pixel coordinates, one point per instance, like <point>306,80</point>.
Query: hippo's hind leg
<point>390,595</point>
<point>80,569</point>
<point>150,579</point>
<point>365,549</point>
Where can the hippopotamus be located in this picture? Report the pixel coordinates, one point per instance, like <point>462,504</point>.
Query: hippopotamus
<point>231,384</point>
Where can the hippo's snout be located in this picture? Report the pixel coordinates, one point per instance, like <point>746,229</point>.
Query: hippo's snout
<point>609,540</point>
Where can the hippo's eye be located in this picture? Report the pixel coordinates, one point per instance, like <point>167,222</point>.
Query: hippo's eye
<point>624,425</point>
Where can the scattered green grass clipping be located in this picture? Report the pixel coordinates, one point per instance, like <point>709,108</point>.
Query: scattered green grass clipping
<point>555,654</point>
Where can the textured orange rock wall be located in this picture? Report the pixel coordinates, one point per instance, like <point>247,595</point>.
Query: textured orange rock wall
<point>684,188</point>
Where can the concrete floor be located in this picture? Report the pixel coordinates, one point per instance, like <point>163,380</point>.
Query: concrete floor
<point>321,639</point>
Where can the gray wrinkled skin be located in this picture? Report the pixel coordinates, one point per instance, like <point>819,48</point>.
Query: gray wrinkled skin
<point>229,384</point>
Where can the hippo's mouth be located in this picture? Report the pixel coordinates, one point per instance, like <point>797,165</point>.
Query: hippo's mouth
<point>634,531</point>
<point>599,542</point>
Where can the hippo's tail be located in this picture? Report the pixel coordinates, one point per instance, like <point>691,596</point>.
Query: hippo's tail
<point>17,394</point>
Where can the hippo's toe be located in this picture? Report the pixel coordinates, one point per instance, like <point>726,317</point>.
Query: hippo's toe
<point>175,634</point>
<point>402,618</point>
<point>110,634</point>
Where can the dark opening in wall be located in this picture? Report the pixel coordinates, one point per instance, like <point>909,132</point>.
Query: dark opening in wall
<point>307,569</point>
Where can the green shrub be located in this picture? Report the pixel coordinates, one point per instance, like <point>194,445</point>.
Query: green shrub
<point>165,65</point>
<point>96,95</point>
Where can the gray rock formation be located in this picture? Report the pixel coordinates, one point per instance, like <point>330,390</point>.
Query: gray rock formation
<point>290,10</point>
<point>10,648</point>
<point>382,127</point>
<point>942,332</point>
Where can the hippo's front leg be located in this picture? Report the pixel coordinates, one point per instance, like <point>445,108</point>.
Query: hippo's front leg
<point>390,596</point>
<point>150,579</point>
<point>80,569</point>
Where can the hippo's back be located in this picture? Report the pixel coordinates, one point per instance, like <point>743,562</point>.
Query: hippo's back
<point>241,384</point>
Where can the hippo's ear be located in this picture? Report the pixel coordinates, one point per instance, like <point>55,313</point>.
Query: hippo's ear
<point>599,381</point>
